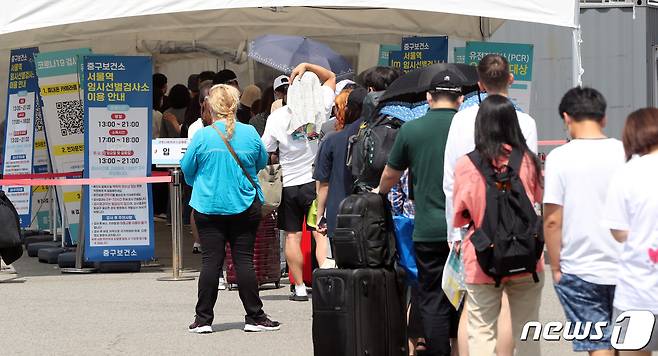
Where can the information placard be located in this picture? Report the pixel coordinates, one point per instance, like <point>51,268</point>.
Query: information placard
<point>22,98</point>
<point>59,84</point>
<point>169,151</point>
<point>118,110</point>
<point>519,57</point>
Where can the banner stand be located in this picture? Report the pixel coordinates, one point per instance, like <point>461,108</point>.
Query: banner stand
<point>80,250</point>
<point>176,228</point>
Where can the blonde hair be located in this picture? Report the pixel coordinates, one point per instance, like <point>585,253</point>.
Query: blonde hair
<point>224,100</point>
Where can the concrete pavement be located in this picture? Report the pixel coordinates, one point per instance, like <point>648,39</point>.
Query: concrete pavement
<point>47,313</point>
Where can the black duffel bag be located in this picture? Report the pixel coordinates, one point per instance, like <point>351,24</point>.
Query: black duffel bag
<point>11,247</point>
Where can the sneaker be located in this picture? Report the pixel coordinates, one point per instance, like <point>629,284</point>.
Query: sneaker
<point>222,284</point>
<point>263,325</point>
<point>196,249</point>
<point>197,328</point>
<point>298,298</point>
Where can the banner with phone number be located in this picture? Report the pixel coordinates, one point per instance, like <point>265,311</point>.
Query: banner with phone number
<point>118,114</point>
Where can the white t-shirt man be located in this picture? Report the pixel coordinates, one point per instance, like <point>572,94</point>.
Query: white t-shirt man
<point>576,177</point>
<point>194,128</point>
<point>296,152</point>
<point>632,205</point>
<point>461,141</point>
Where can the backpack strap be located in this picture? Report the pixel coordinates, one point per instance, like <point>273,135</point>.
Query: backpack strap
<point>484,167</point>
<point>515,160</point>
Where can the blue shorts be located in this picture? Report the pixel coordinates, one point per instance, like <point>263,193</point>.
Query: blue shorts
<point>587,302</point>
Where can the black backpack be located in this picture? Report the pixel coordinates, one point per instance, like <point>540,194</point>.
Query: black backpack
<point>11,248</point>
<point>510,240</point>
<point>364,235</point>
<point>369,149</point>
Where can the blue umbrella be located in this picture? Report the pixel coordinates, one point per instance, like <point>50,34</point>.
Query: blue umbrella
<point>284,53</point>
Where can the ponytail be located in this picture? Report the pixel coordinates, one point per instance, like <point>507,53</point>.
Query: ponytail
<point>224,100</point>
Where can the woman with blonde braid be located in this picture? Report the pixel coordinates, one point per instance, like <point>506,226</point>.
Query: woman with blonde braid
<point>227,206</point>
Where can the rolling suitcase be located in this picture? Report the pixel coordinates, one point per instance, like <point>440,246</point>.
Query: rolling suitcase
<point>267,255</point>
<point>310,262</point>
<point>358,312</point>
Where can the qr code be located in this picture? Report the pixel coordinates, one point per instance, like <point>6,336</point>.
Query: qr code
<point>70,117</point>
<point>38,119</point>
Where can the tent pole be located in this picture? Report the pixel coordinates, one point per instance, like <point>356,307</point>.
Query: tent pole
<point>577,68</point>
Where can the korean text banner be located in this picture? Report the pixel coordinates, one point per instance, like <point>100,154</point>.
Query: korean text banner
<point>118,110</point>
<point>59,83</point>
<point>519,56</point>
<point>22,102</point>
<point>420,52</point>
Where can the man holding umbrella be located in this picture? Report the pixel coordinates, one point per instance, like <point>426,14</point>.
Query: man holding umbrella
<point>419,147</point>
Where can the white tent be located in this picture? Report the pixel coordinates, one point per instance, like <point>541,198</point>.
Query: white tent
<point>222,27</point>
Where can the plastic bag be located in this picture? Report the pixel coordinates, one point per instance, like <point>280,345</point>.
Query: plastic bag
<point>404,229</point>
<point>452,281</point>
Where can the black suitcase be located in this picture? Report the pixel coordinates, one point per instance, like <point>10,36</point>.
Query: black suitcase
<point>364,235</point>
<point>358,312</point>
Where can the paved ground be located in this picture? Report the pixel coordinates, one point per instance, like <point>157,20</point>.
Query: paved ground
<point>46,313</point>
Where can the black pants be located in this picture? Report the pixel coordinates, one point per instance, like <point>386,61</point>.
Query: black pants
<point>240,232</point>
<point>440,319</point>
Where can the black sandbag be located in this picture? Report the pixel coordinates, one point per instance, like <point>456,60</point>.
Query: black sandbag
<point>38,238</point>
<point>33,248</point>
<point>119,267</point>
<point>50,255</point>
<point>67,260</point>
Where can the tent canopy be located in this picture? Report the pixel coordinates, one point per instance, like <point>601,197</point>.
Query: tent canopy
<point>229,22</point>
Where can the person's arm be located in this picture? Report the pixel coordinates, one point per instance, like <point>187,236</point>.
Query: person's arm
<point>323,192</point>
<point>322,175</point>
<point>327,77</point>
<point>553,215</point>
<point>390,177</point>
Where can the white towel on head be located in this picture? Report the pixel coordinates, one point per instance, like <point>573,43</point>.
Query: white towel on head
<point>306,102</point>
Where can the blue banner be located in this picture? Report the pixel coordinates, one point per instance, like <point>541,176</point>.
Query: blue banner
<point>420,52</point>
<point>22,107</point>
<point>117,117</point>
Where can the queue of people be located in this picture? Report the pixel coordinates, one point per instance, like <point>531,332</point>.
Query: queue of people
<point>596,197</point>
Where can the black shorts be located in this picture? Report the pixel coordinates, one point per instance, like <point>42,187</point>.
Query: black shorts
<point>295,203</point>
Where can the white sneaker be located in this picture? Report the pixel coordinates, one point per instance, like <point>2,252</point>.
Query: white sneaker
<point>222,284</point>
<point>199,329</point>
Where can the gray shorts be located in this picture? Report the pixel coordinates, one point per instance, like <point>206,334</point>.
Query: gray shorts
<point>653,342</point>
